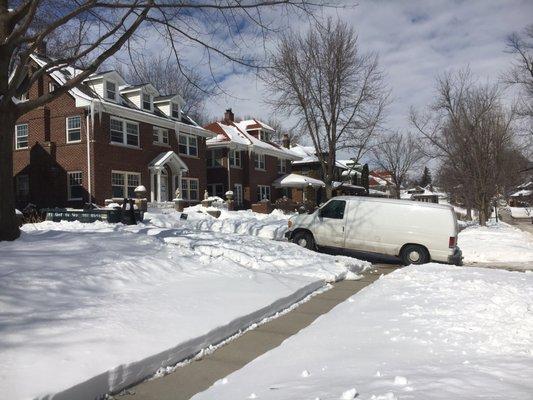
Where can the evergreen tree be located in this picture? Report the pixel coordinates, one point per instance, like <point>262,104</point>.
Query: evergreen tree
<point>425,179</point>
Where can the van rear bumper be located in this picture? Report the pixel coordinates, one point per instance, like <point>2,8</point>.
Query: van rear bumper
<point>457,257</point>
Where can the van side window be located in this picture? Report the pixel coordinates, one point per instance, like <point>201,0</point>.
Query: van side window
<point>334,209</point>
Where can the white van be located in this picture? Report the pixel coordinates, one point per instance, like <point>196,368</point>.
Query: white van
<point>416,232</point>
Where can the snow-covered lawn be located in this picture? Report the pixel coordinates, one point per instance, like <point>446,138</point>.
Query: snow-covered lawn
<point>106,305</point>
<point>427,332</point>
<point>497,242</point>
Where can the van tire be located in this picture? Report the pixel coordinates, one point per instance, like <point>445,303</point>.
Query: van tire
<point>414,254</point>
<point>304,239</point>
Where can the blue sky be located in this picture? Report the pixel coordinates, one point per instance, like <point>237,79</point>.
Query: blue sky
<point>415,40</point>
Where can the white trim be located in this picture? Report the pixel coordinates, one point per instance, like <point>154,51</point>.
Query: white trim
<point>106,81</point>
<point>17,147</point>
<point>241,194</point>
<point>125,132</point>
<point>259,187</point>
<point>125,175</point>
<point>188,180</point>
<point>67,129</point>
<point>188,145</point>
<point>260,156</point>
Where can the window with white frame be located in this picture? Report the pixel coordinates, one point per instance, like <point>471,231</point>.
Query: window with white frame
<point>73,129</point>
<point>237,193</point>
<point>124,132</point>
<point>123,183</point>
<point>259,161</point>
<point>214,158</point>
<point>22,186</point>
<point>175,110</point>
<point>75,188</point>
<point>216,189</point>
<point>190,189</point>
<point>146,101</point>
<point>111,90</point>
<point>21,136</point>
<point>263,192</point>
<point>282,166</point>
<point>52,86</point>
<point>188,145</point>
<point>160,135</point>
<point>264,136</point>
<point>235,158</point>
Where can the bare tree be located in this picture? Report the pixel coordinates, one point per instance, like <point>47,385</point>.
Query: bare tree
<point>397,154</point>
<point>470,132</point>
<point>295,134</point>
<point>165,74</point>
<point>521,75</point>
<point>89,32</point>
<point>336,93</point>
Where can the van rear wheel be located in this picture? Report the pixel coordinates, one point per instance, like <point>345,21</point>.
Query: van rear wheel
<point>414,254</point>
<point>304,239</point>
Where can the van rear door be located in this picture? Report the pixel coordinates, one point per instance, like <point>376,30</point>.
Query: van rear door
<point>329,229</point>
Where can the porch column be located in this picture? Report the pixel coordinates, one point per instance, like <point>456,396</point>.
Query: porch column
<point>173,184</point>
<point>158,186</point>
<point>152,188</point>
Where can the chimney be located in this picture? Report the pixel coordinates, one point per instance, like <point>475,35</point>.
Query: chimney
<point>229,116</point>
<point>286,141</point>
<point>41,48</point>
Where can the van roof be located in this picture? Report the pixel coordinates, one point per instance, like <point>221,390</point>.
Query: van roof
<point>393,201</point>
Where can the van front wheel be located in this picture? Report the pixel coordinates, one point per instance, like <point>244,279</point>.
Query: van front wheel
<point>304,239</point>
<point>414,254</point>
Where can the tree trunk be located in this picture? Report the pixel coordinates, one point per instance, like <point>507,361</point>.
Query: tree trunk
<point>469,213</point>
<point>9,229</point>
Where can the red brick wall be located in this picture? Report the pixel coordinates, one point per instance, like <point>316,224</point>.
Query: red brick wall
<point>48,157</point>
<point>109,157</point>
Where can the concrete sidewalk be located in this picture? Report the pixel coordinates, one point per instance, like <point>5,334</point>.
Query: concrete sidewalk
<point>521,223</point>
<point>199,375</point>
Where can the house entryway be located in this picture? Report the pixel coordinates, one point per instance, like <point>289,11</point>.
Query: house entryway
<point>166,171</point>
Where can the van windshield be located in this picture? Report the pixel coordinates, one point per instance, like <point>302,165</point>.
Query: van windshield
<point>334,209</point>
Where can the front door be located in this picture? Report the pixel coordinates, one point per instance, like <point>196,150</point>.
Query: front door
<point>329,228</point>
<point>164,187</point>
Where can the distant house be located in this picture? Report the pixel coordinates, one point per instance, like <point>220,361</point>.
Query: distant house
<point>522,196</point>
<point>428,194</point>
<point>104,138</point>
<point>243,158</point>
<point>380,184</point>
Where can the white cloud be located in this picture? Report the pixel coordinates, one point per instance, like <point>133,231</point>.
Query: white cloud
<point>416,41</point>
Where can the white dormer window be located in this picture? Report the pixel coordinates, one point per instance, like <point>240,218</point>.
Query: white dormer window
<point>264,136</point>
<point>146,102</point>
<point>175,110</point>
<point>111,90</point>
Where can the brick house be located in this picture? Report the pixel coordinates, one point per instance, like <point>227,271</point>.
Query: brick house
<point>101,140</point>
<point>242,158</point>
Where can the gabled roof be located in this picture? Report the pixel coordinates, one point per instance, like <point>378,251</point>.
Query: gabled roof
<point>86,97</point>
<point>308,156</point>
<point>234,136</point>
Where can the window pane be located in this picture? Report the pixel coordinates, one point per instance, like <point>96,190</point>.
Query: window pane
<point>334,209</point>
<point>115,126</point>
<point>193,146</point>
<point>75,188</point>
<point>132,136</point>
<point>165,136</point>
<point>21,136</point>
<point>73,129</point>
<point>111,90</point>
<point>118,191</point>
<point>155,135</point>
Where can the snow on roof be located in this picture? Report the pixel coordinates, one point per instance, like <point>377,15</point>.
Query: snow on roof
<point>297,181</point>
<point>236,135</point>
<point>86,94</point>
<point>308,155</point>
<point>525,185</point>
<point>255,123</point>
<point>522,193</point>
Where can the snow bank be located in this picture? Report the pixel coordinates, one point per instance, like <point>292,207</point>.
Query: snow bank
<point>521,212</point>
<point>497,242</point>
<point>427,332</point>
<point>91,308</point>
<point>245,222</point>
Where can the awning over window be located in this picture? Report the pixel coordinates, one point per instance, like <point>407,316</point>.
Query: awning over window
<point>297,181</point>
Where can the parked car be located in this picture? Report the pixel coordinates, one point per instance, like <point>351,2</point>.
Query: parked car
<point>416,232</point>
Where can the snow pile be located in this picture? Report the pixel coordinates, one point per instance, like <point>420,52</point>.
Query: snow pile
<point>521,212</point>
<point>245,222</point>
<point>103,306</point>
<point>427,332</point>
<point>497,242</point>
